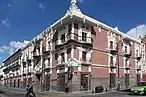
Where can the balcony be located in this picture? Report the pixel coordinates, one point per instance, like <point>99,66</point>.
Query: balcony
<point>112,66</point>
<point>47,68</point>
<point>76,38</point>
<point>87,61</point>
<point>127,66</point>
<point>138,56</point>
<point>28,58</point>
<point>36,54</point>
<point>60,63</point>
<point>23,60</point>
<point>113,50</point>
<point>24,71</point>
<point>138,67</point>
<point>127,54</point>
<point>30,69</point>
<point>46,49</point>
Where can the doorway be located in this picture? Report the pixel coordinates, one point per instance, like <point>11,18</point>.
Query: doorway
<point>112,83</point>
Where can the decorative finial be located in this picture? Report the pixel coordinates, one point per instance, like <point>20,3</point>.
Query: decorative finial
<point>73,8</point>
<point>73,2</point>
<point>73,5</point>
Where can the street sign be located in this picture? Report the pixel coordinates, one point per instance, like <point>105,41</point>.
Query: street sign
<point>75,72</point>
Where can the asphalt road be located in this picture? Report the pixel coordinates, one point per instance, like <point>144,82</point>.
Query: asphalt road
<point>115,94</point>
<point>11,94</point>
<point>108,94</point>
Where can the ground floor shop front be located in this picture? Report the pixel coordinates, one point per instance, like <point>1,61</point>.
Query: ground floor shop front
<point>74,80</point>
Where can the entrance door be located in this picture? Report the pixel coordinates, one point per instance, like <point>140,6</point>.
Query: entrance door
<point>10,82</point>
<point>18,83</point>
<point>126,80</point>
<point>47,82</point>
<point>24,82</point>
<point>14,83</point>
<point>138,78</point>
<point>112,80</point>
<point>61,82</point>
<point>84,81</point>
<point>30,80</point>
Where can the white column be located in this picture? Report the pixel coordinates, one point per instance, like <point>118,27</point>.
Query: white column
<point>80,54</point>
<point>79,68</point>
<point>32,65</point>
<point>66,69</point>
<point>109,70</point>
<point>72,52</point>
<point>72,31</point>
<point>89,69</point>
<point>80,32</point>
<point>65,55</point>
<point>51,63</point>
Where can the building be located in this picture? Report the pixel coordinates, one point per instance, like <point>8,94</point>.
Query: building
<point>144,61</point>
<point>79,53</point>
<point>2,74</point>
<point>12,71</point>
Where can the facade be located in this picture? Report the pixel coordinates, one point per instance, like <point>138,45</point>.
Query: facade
<point>79,53</point>
<point>2,74</point>
<point>144,61</point>
<point>12,71</point>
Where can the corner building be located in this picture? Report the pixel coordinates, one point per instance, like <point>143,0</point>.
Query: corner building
<point>95,53</point>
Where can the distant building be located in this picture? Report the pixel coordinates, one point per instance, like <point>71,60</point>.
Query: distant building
<point>77,52</point>
<point>1,75</point>
<point>144,61</point>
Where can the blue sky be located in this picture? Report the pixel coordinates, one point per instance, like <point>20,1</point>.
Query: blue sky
<point>21,20</point>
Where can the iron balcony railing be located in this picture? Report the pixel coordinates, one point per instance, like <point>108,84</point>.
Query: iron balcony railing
<point>74,37</point>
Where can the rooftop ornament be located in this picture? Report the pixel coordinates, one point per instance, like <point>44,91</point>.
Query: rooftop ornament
<point>73,9</point>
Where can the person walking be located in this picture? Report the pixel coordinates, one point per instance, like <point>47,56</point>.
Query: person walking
<point>30,91</point>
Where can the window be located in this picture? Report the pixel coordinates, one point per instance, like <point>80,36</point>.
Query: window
<point>111,44</point>
<point>84,36</point>
<point>111,60</point>
<point>125,49</point>
<point>136,52</point>
<point>84,56</point>
<point>29,63</point>
<point>48,61</point>
<point>126,62</point>
<point>69,28</point>
<point>68,50</point>
<point>76,26</point>
<point>62,57</point>
<point>24,65</point>
<point>63,38</point>
<point>56,56</point>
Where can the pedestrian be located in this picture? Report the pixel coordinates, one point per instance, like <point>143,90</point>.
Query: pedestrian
<point>30,90</point>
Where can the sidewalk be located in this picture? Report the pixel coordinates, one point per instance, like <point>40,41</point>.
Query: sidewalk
<point>53,94</point>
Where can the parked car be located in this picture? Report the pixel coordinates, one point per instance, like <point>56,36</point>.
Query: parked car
<point>140,89</point>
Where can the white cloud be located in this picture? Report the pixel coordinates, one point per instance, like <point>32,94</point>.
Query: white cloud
<point>137,31</point>
<point>9,5</point>
<point>81,1</point>
<point>12,47</point>
<point>41,5</point>
<point>6,22</point>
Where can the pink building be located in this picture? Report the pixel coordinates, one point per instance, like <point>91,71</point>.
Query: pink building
<point>79,52</point>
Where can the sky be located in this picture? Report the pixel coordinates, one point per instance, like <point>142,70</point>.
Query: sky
<point>22,20</point>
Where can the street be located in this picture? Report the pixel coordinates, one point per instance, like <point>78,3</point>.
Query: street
<point>107,94</point>
<point>11,94</point>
